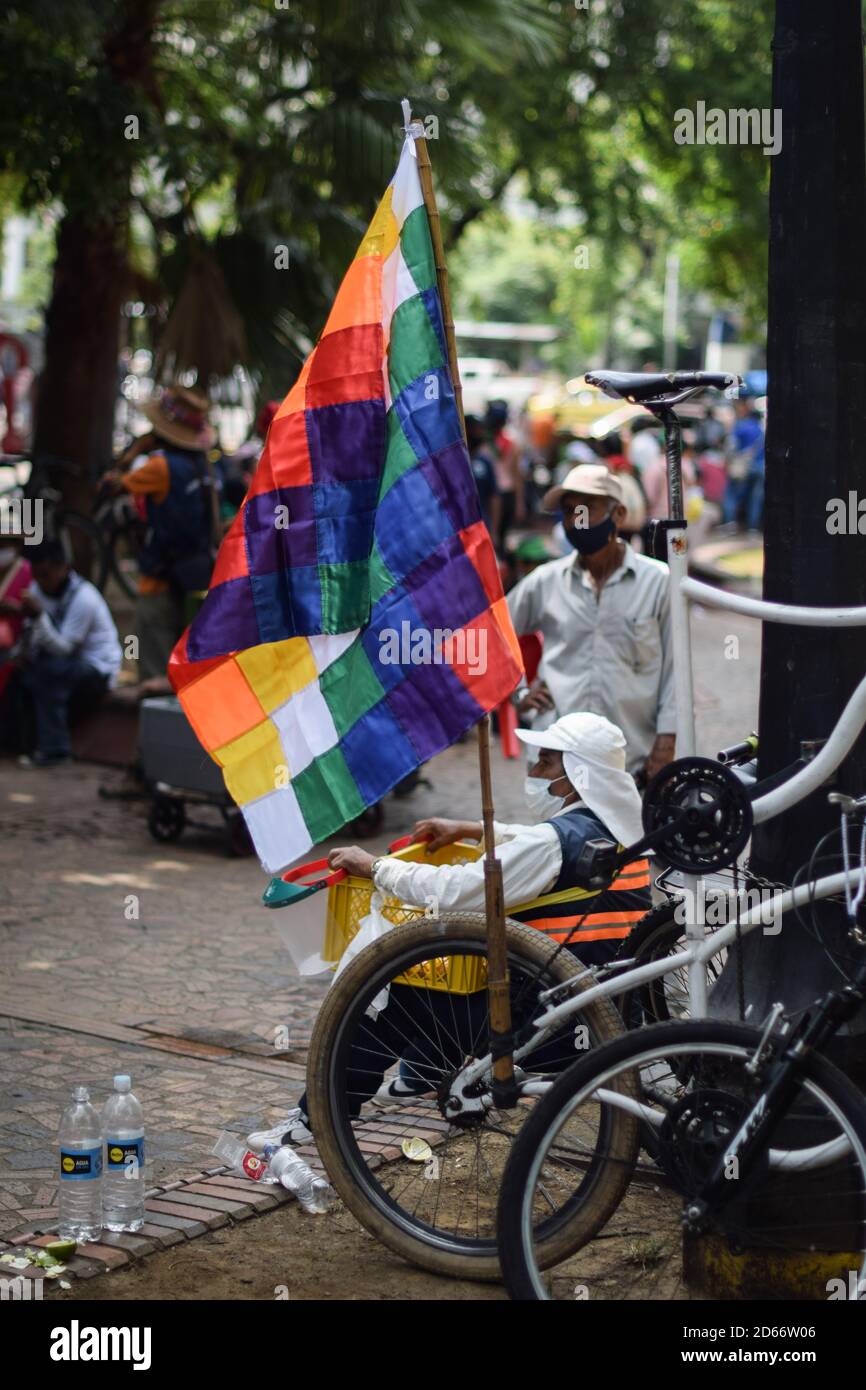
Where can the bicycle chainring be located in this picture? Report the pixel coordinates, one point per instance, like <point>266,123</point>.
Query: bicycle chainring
<point>694,1135</point>
<point>708,811</point>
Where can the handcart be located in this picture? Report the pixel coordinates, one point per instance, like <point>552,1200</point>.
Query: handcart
<point>180,774</point>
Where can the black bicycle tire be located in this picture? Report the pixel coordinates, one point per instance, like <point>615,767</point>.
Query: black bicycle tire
<point>634,947</point>
<point>353,1181</point>
<point>64,520</point>
<point>129,588</point>
<point>513,1254</point>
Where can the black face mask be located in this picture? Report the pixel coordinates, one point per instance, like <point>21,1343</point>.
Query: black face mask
<point>588,539</point>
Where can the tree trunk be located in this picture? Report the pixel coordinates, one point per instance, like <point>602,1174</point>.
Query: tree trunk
<point>78,385</point>
<point>816,452</point>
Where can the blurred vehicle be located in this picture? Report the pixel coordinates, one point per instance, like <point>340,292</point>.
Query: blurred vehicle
<point>575,406</point>
<point>485,379</point>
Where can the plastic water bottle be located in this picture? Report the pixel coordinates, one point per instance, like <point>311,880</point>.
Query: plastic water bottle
<point>80,1196</point>
<point>123,1177</point>
<point>314,1194</point>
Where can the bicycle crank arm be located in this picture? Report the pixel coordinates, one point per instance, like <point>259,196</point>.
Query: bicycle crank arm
<point>821,1023</point>
<point>598,864</point>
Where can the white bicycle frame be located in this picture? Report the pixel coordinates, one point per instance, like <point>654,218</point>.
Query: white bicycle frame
<point>808,779</point>
<point>701,948</point>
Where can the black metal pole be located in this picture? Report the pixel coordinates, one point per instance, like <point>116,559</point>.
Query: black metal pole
<point>815,456</point>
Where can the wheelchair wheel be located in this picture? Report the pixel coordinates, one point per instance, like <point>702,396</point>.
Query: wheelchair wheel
<point>441,1214</point>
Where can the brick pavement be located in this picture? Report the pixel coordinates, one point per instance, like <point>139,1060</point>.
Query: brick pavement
<point>178,1211</point>
<point>119,954</point>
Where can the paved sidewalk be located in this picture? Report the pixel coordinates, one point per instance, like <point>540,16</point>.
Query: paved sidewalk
<point>119,954</point>
<point>189,996</point>
<point>180,1211</point>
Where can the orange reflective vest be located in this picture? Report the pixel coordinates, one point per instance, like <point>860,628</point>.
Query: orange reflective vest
<point>583,915</point>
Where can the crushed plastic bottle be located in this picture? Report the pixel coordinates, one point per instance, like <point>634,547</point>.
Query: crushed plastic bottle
<point>245,1163</point>
<point>287,1167</point>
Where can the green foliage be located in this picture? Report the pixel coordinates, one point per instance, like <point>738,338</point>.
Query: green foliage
<point>261,126</point>
<point>595,133</point>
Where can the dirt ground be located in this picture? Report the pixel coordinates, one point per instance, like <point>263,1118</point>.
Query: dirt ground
<point>284,1254</point>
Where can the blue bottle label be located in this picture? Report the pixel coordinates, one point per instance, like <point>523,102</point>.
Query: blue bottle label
<point>82,1164</point>
<point>124,1153</point>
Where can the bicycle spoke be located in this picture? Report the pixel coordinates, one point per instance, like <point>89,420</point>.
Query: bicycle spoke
<point>430,1034</point>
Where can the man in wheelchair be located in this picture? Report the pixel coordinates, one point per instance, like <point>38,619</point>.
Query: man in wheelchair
<point>577,790</point>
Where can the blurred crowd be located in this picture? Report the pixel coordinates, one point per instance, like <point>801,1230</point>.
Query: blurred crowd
<point>516,462</point>
<point>59,647</point>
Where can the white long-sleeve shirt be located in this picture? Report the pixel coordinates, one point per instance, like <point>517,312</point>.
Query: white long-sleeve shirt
<point>77,623</point>
<point>531,858</point>
<point>611,652</point>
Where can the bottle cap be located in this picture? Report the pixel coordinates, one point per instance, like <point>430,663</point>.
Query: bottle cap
<point>80,1093</point>
<point>123,1083</point>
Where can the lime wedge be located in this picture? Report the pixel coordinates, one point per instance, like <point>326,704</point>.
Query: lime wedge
<point>62,1249</point>
<point>416,1150</point>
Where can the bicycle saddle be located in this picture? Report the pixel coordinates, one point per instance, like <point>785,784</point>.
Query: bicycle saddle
<point>638,387</point>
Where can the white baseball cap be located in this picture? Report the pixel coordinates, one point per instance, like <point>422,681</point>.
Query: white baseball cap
<point>593,752</point>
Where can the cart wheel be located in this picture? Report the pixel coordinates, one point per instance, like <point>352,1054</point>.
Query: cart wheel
<point>166,819</point>
<point>240,840</point>
<point>369,822</point>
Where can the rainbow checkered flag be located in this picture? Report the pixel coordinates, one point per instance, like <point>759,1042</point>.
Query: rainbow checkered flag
<point>355,623</point>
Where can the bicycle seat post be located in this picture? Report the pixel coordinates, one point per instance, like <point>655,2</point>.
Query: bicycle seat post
<point>674,459</point>
<point>678,563</point>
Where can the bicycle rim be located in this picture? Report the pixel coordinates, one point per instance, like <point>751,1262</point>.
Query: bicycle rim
<point>804,1223</point>
<point>666,999</point>
<point>124,553</point>
<point>82,545</point>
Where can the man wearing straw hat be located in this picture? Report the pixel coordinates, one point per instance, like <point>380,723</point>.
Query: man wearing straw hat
<point>175,486</point>
<point>604,615</point>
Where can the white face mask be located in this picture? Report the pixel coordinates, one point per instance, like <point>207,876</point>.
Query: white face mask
<point>542,803</point>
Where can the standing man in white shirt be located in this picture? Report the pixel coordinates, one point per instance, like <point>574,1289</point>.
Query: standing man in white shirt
<point>71,648</point>
<point>605,618</point>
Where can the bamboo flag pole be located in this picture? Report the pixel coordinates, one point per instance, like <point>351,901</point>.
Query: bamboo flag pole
<point>499,1000</point>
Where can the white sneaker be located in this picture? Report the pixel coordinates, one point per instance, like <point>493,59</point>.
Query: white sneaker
<point>294,1129</point>
<point>395,1089</point>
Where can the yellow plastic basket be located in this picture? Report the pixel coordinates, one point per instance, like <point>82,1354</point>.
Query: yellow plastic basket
<point>349,903</point>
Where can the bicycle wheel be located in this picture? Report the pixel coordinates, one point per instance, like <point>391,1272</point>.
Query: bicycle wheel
<point>124,546</point>
<point>83,545</point>
<point>656,935</point>
<point>442,1215</point>
<point>802,1207</point>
